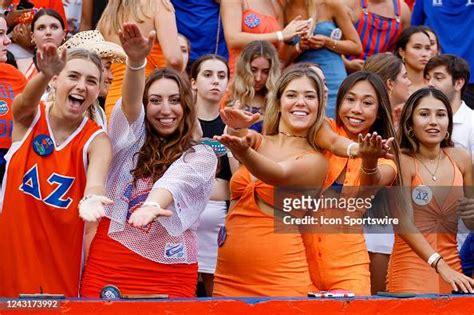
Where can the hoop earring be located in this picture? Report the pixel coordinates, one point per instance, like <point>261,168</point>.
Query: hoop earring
<point>447,135</point>
<point>411,133</point>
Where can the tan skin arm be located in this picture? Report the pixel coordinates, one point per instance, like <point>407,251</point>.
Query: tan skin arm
<point>167,34</point>
<point>137,48</point>
<point>99,157</point>
<point>405,15</point>
<point>25,105</point>
<point>86,15</point>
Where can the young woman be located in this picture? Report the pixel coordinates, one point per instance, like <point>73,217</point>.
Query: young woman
<point>436,172</point>
<point>434,41</point>
<point>414,48</point>
<point>253,260</point>
<point>209,78</point>
<point>185,47</point>
<point>324,47</point>
<point>246,21</point>
<point>140,247</point>
<point>393,73</point>
<point>149,15</point>
<point>57,156</point>
<point>362,107</point>
<point>258,69</point>
<point>47,26</point>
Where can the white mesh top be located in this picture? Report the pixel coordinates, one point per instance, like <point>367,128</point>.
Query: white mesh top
<point>189,179</point>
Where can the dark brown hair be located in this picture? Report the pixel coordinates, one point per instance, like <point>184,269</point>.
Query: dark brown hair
<point>457,67</point>
<point>158,153</point>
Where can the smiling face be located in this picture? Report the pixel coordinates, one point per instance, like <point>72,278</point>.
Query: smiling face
<point>164,110</point>
<point>260,68</point>
<point>47,29</point>
<point>359,108</point>
<point>211,81</point>
<point>77,87</point>
<point>430,121</point>
<point>417,52</point>
<point>299,106</point>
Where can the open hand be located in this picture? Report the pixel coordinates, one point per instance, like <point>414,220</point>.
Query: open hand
<point>296,27</point>
<point>238,118</point>
<point>372,146</point>
<point>49,62</point>
<point>145,215</point>
<point>136,46</point>
<point>238,146</point>
<point>458,281</point>
<point>92,208</point>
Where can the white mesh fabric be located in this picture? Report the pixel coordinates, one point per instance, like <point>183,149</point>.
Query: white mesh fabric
<point>189,179</point>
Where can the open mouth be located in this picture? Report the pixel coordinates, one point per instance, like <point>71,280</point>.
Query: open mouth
<point>432,131</point>
<point>166,122</point>
<point>76,101</point>
<point>355,121</point>
<point>299,113</point>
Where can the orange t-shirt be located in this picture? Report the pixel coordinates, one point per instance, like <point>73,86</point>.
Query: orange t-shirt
<point>41,234</point>
<point>12,83</point>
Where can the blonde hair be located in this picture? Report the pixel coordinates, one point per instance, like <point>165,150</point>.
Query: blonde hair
<point>243,86</point>
<point>273,111</point>
<point>119,11</point>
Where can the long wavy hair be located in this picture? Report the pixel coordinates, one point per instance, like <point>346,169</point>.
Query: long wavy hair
<point>273,111</point>
<point>119,11</point>
<point>243,86</point>
<point>410,144</point>
<point>158,153</point>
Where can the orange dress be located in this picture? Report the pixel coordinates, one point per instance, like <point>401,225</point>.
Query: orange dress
<point>409,273</point>
<point>41,233</point>
<point>155,60</point>
<point>340,261</point>
<point>256,23</point>
<point>254,260</point>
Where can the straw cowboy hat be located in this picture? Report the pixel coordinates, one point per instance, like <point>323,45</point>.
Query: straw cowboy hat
<point>94,41</point>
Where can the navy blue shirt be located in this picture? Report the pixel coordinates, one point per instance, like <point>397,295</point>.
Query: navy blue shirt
<point>198,20</point>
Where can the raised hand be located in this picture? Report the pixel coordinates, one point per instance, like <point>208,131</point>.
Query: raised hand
<point>147,214</point>
<point>91,208</point>
<point>238,146</point>
<point>238,118</point>
<point>136,46</point>
<point>49,62</point>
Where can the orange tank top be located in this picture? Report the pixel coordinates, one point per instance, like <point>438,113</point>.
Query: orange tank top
<point>438,223</point>
<point>256,23</point>
<point>12,84</point>
<point>155,60</point>
<point>41,234</point>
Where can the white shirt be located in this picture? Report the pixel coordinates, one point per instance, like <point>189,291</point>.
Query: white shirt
<point>463,137</point>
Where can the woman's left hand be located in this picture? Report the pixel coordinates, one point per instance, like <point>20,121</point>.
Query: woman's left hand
<point>145,215</point>
<point>317,41</point>
<point>238,146</point>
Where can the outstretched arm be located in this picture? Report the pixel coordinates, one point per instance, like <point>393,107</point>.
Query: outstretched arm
<point>25,105</point>
<point>137,49</point>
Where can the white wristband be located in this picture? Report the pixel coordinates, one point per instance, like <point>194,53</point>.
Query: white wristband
<point>153,204</point>
<point>433,258</point>
<point>280,36</point>
<point>136,68</point>
<point>349,148</point>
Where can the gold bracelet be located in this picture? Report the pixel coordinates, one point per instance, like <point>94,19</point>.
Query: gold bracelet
<point>370,171</point>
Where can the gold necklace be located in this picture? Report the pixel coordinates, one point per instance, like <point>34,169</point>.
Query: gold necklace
<point>433,174</point>
<point>294,136</point>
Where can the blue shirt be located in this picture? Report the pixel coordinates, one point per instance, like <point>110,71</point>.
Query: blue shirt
<point>453,22</point>
<point>198,20</point>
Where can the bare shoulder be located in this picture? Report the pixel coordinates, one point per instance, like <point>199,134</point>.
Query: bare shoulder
<point>407,163</point>
<point>460,156</point>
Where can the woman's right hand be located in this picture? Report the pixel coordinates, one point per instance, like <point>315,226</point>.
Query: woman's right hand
<point>238,146</point>
<point>296,27</point>
<point>136,46</point>
<point>238,118</point>
<point>49,62</point>
<point>458,281</point>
